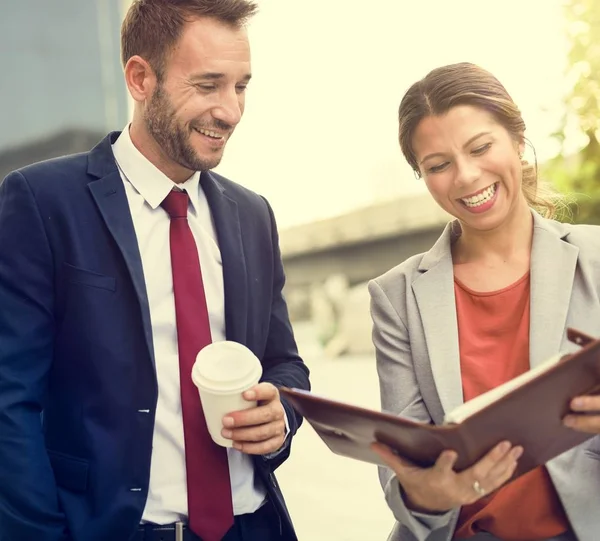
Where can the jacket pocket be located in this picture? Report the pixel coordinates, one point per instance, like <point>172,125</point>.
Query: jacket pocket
<point>70,472</point>
<point>77,275</point>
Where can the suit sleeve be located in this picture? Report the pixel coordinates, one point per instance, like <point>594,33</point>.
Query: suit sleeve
<point>283,367</point>
<point>29,507</point>
<point>400,394</point>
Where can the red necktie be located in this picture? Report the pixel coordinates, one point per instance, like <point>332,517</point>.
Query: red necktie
<point>210,509</point>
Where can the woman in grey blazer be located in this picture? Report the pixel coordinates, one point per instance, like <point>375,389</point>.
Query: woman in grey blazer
<point>491,299</point>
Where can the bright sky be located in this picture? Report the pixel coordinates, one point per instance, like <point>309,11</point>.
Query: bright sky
<point>319,136</point>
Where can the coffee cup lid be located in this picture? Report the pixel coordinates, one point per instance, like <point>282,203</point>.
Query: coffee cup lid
<point>226,366</point>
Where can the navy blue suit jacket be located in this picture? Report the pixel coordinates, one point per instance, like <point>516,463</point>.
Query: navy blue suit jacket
<point>76,343</point>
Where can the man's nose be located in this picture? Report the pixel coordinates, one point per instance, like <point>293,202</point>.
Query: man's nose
<point>229,109</point>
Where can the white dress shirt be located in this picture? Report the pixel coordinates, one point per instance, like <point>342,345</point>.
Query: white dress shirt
<point>146,187</point>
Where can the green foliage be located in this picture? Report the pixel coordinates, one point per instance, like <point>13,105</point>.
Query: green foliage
<point>579,174</point>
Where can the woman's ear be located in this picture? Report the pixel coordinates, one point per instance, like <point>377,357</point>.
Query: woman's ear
<point>521,146</point>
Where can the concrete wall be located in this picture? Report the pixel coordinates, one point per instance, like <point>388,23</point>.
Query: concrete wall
<point>328,263</point>
<point>361,244</point>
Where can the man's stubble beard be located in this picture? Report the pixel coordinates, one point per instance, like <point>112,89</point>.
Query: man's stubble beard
<point>173,138</point>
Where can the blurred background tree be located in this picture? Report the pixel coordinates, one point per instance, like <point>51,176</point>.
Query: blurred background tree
<point>578,174</point>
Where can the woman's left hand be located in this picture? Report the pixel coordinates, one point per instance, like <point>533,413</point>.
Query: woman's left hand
<point>585,414</point>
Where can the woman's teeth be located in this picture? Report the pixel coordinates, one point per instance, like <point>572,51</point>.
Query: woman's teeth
<point>480,198</point>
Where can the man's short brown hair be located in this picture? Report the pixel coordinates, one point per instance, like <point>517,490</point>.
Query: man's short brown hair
<point>152,27</point>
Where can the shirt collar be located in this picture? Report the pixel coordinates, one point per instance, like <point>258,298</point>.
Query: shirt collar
<point>151,183</point>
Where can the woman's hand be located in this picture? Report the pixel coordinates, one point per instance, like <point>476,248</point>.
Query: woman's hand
<point>586,414</point>
<point>439,488</point>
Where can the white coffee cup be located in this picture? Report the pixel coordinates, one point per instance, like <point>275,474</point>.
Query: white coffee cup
<point>222,372</point>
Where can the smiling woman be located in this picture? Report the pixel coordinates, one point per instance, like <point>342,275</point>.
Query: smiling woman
<point>437,97</point>
<point>479,309</point>
<point>471,166</point>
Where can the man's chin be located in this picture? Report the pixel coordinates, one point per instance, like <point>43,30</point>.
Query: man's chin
<point>209,161</point>
<point>202,165</point>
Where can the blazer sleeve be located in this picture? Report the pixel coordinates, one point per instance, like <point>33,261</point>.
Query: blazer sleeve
<point>29,507</point>
<point>400,394</point>
<point>282,366</point>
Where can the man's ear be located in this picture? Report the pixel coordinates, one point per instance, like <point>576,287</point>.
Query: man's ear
<point>140,78</point>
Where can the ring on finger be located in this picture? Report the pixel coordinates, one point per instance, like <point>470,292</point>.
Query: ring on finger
<point>480,491</point>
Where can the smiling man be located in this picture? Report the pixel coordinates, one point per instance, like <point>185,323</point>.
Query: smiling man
<point>117,267</point>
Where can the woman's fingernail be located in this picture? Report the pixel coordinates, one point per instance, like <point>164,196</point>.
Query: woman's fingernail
<point>449,455</point>
<point>504,446</point>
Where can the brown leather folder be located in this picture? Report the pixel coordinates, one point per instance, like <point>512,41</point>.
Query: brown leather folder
<point>529,415</point>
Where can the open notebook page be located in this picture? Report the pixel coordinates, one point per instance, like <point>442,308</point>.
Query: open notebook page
<point>459,414</point>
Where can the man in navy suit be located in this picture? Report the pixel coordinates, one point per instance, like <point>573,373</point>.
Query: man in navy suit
<point>116,267</point>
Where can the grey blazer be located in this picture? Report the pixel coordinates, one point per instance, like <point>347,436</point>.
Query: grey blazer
<point>416,338</point>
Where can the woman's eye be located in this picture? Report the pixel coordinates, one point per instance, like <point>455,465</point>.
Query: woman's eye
<point>438,168</point>
<point>481,150</point>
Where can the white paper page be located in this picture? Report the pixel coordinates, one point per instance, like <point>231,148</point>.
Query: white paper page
<point>459,414</point>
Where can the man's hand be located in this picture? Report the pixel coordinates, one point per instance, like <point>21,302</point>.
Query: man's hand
<point>260,430</point>
<point>440,488</point>
<point>586,414</point>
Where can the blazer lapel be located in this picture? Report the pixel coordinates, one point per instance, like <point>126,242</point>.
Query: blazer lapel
<point>229,233</point>
<point>434,293</point>
<point>553,264</point>
<point>110,197</point>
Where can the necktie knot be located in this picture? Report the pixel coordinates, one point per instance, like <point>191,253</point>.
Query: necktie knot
<point>176,204</point>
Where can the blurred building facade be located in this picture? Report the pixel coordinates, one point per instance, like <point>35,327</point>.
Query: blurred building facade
<point>329,262</point>
<point>62,85</point>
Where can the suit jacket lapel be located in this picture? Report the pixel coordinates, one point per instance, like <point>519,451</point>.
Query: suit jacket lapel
<point>434,292</point>
<point>553,264</point>
<point>229,233</point>
<point>110,197</point>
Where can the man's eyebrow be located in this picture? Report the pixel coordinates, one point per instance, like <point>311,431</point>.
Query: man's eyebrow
<point>215,76</point>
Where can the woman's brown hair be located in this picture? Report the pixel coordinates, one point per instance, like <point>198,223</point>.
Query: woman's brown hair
<point>468,84</point>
